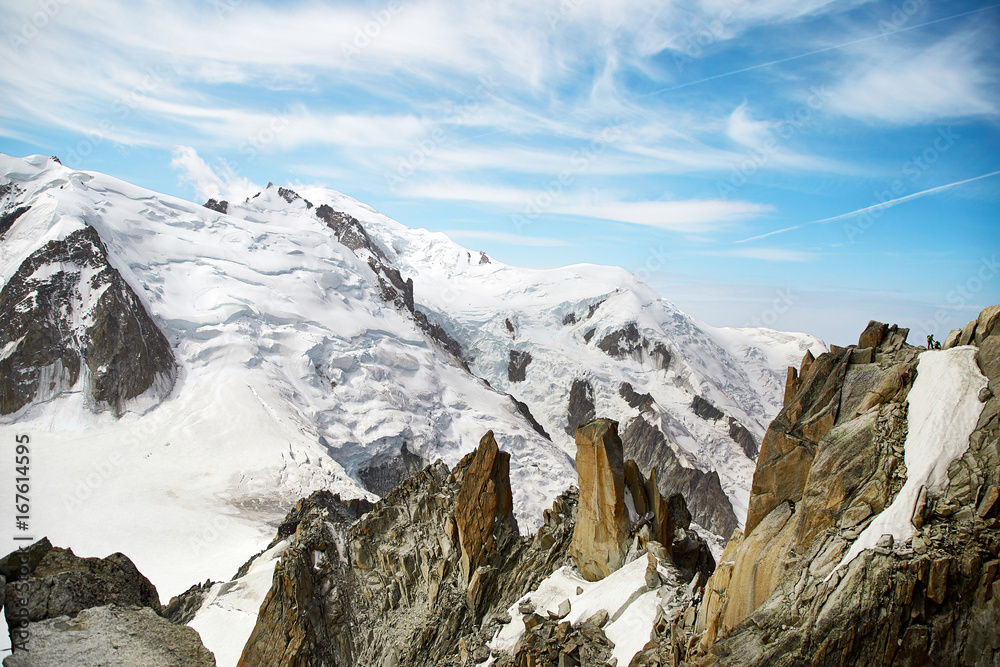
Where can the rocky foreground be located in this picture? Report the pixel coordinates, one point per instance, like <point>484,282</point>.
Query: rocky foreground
<point>436,573</point>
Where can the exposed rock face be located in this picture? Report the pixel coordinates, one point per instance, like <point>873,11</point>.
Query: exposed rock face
<point>744,438</point>
<point>389,588</point>
<point>581,405</point>
<point>393,289</point>
<point>628,342</point>
<point>600,540</point>
<point>525,411</point>
<point>777,597</point>
<point>518,365</point>
<point>703,492</point>
<point>620,509</point>
<point>705,409</point>
<point>219,206</point>
<point>89,611</point>
<point>67,311</point>
<point>383,472</point>
<point>484,509</point>
<point>112,636</point>
<point>636,400</point>
<point>59,583</point>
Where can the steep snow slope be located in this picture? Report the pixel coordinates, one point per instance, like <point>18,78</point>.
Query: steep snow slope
<point>292,373</point>
<point>562,316</point>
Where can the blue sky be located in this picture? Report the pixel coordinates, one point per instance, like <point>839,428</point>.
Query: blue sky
<point>800,164</point>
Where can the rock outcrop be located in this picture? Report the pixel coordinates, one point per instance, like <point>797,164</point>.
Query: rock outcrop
<point>620,510</point>
<point>381,473</point>
<point>66,610</point>
<point>68,313</point>
<point>517,367</point>
<point>831,462</point>
<point>390,588</point>
<point>56,582</point>
<point>112,636</point>
<point>581,407</point>
<point>601,537</point>
<point>484,508</point>
<point>629,342</point>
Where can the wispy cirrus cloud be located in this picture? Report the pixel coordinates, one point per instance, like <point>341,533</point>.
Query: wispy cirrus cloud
<point>915,82</point>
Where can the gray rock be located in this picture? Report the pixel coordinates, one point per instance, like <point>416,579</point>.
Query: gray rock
<point>112,636</point>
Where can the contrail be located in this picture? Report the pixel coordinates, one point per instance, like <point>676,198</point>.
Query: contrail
<point>813,53</point>
<point>875,207</point>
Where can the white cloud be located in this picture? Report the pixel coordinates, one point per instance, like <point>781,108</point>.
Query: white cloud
<point>506,238</point>
<point>691,215</point>
<point>206,181</point>
<point>919,83</point>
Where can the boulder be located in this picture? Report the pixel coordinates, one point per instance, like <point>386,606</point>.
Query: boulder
<point>873,334</point>
<point>601,536</point>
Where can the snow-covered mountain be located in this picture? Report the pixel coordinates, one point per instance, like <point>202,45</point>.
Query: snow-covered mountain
<point>309,342</point>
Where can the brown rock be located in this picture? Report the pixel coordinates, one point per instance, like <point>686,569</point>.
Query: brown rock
<point>873,334</point>
<point>988,321</point>
<point>791,385</point>
<point>968,333</point>
<point>952,339</point>
<point>484,509</point>
<point>600,538</point>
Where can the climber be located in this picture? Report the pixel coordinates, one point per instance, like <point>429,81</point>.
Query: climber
<point>930,341</point>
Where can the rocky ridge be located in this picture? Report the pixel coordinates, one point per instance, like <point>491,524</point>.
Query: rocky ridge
<point>427,576</point>
<point>830,464</point>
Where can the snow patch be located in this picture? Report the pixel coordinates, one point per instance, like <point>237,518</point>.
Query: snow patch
<point>944,409</point>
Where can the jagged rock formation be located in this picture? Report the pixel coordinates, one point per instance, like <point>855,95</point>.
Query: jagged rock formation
<point>67,312</point>
<point>390,588</point>
<point>619,506</point>
<point>484,509</point>
<point>831,463</point>
<point>518,365</point>
<point>79,608</point>
<point>426,577</point>
<point>581,408</point>
<point>708,503</point>
<point>601,536</point>
<point>218,206</point>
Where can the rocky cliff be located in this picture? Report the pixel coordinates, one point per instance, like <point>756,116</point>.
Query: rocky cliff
<point>66,314</point>
<point>870,539</point>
